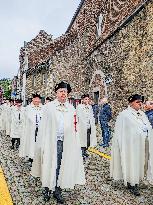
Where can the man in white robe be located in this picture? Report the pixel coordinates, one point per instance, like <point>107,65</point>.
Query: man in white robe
<point>86,125</point>
<point>1,116</point>
<point>61,161</point>
<point>4,115</point>
<point>7,114</point>
<point>17,122</point>
<point>132,130</point>
<point>32,118</point>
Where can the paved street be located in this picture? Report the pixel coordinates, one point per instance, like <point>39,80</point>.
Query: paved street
<point>26,190</point>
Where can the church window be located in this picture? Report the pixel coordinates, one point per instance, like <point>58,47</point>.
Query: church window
<point>100,24</point>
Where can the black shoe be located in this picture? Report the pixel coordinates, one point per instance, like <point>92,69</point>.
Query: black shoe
<point>31,161</point>
<point>129,186</point>
<point>46,194</point>
<point>135,190</point>
<point>58,196</point>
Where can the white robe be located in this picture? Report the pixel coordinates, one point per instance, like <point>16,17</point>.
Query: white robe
<point>16,124</point>
<point>3,116</point>
<point>82,126</point>
<point>7,114</point>
<point>128,146</point>
<point>27,144</point>
<point>72,168</point>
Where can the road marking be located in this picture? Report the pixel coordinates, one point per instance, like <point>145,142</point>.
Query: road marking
<point>5,197</point>
<point>99,153</point>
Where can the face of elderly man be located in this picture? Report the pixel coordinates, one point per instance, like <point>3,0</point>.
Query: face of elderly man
<point>62,94</point>
<point>136,104</point>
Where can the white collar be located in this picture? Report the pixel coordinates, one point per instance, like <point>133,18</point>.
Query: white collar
<point>133,110</point>
<point>36,107</point>
<point>57,103</point>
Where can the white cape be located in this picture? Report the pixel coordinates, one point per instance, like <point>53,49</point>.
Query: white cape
<point>128,147</point>
<point>27,144</point>
<point>16,124</point>
<point>4,117</point>
<point>8,119</point>
<point>72,168</point>
<point>82,126</point>
<point>1,117</point>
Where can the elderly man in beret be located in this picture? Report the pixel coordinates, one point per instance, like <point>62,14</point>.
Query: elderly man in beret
<point>132,131</point>
<point>61,163</point>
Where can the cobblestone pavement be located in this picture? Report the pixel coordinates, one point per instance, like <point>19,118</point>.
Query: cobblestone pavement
<point>26,190</point>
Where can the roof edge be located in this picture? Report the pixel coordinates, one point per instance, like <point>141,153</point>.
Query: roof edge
<point>75,15</point>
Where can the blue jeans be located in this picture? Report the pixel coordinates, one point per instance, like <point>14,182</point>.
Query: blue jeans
<point>105,132</point>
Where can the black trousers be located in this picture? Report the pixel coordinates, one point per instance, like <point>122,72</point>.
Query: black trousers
<point>88,142</point>
<point>88,137</point>
<point>36,132</point>
<point>59,157</point>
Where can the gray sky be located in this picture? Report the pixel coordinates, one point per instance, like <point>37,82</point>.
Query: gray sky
<point>21,20</point>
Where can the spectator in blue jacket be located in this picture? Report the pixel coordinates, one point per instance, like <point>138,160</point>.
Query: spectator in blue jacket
<point>105,116</point>
<point>149,111</point>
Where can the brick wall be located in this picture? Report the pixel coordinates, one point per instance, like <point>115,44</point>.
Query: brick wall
<point>128,57</point>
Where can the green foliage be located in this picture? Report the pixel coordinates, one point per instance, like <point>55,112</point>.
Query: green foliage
<point>5,84</point>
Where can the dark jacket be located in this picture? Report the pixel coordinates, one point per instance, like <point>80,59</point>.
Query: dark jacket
<point>105,113</point>
<point>149,114</point>
<point>95,108</point>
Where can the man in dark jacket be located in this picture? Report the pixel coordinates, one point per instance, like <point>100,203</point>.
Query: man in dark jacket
<point>149,111</point>
<point>104,117</point>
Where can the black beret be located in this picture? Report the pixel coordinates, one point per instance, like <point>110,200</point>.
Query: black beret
<point>82,96</point>
<point>36,95</point>
<point>48,98</point>
<point>85,96</point>
<point>135,97</point>
<point>63,85</point>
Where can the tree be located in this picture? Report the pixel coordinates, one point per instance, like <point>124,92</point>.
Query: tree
<point>5,84</point>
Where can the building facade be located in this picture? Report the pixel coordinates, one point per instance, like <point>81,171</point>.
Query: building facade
<point>107,50</point>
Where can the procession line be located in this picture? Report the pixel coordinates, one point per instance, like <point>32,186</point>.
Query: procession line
<point>99,153</point>
<point>5,197</point>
